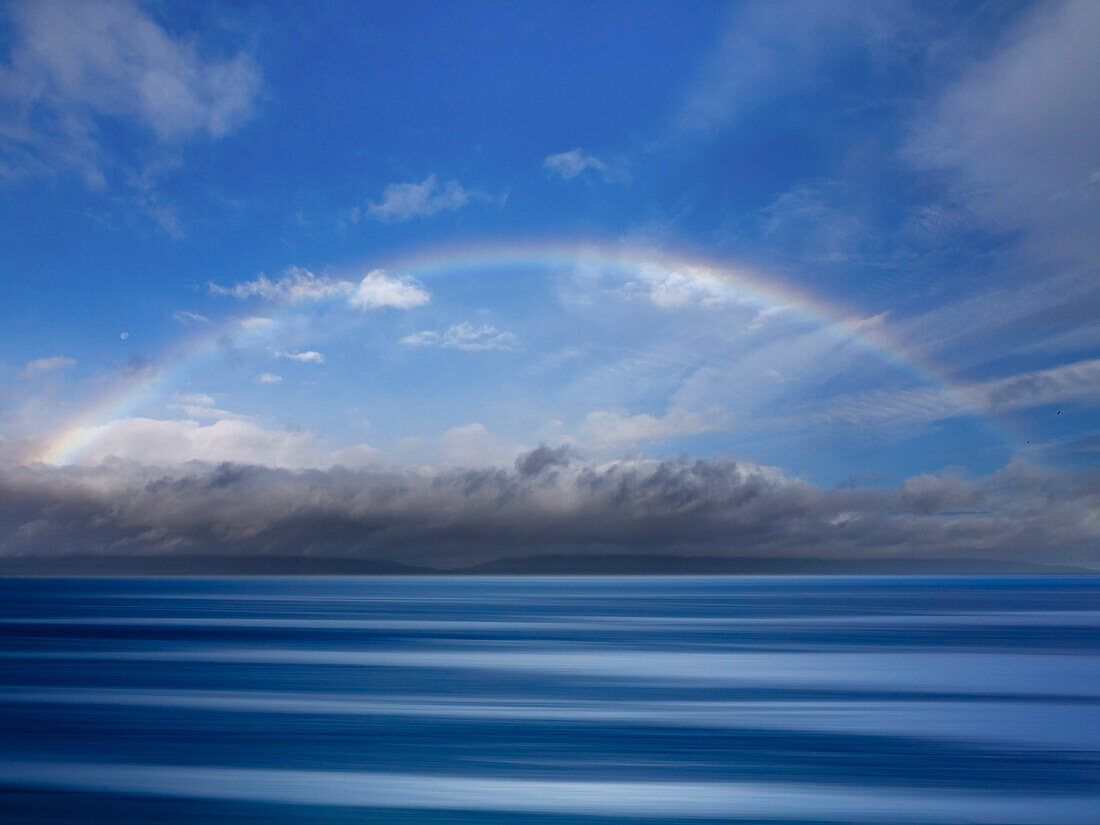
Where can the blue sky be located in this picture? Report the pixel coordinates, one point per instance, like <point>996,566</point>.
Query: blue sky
<point>847,246</point>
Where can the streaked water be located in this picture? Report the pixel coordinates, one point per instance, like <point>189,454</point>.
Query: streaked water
<point>550,700</point>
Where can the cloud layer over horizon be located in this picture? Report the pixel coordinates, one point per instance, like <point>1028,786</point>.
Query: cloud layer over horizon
<point>548,501</point>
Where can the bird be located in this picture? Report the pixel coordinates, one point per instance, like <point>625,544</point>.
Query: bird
<point>1058,413</point>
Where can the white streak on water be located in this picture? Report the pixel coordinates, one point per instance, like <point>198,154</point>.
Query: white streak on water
<point>687,800</point>
<point>1036,618</point>
<point>1007,723</point>
<point>1048,675</point>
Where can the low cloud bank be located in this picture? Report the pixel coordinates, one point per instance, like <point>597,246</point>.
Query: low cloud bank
<point>550,501</point>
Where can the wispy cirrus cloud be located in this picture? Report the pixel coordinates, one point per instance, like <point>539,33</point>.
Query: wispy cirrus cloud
<point>404,201</point>
<point>185,317</point>
<point>1019,131</point>
<point>51,364</point>
<point>1063,384</point>
<point>568,165</point>
<point>465,336</point>
<point>770,48</point>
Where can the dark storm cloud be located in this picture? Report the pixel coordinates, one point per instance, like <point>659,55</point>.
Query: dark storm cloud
<point>541,459</point>
<point>550,501</point>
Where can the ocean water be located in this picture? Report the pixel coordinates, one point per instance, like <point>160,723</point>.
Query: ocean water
<point>550,700</point>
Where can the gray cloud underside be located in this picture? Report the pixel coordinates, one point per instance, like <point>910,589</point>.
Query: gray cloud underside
<point>550,501</point>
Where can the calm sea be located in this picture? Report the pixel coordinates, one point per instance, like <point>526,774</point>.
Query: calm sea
<point>553,700</point>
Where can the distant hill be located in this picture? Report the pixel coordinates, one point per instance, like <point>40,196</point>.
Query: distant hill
<point>205,565</point>
<point>665,565</point>
<point>608,564</point>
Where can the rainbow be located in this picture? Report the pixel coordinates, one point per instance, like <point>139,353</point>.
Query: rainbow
<point>742,285</point>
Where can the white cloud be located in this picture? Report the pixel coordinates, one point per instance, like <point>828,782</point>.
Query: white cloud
<point>607,429</point>
<point>196,398</point>
<point>1020,131</point>
<point>678,288</point>
<point>472,445</point>
<point>760,320</point>
<point>771,47</point>
<point>378,290</point>
<point>465,336</point>
<point>163,442</point>
<point>185,317</point>
<point>268,378</point>
<point>1067,382</point>
<point>303,357</point>
<point>357,455</point>
<point>75,63</point>
<point>40,365</point>
<point>1079,381</point>
<point>403,201</point>
<point>202,407</point>
<point>812,220</point>
<point>295,286</point>
<point>255,323</point>
<point>375,291</point>
<point>425,338</point>
<point>569,165</point>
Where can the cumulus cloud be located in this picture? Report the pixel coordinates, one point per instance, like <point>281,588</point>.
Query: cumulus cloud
<point>542,459</point>
<point>74,65</point>
<point>375,291</point>
<point>296,285</point>
<point>676,288</point>
<point>549,501</point>
<point>41,365</point>
<point>379,290</point>
<point>404,201</point>
<point>268,378</point>
<point>569,165</point>
<point>465,336</point>
<point>302,357</point>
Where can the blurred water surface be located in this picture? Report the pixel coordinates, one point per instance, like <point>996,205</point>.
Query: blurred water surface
<point>550,700</point>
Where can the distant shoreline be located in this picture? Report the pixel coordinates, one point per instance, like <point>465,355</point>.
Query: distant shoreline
<point>538,565</point>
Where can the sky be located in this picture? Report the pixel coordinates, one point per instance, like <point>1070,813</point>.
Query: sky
<point>448,282</point>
